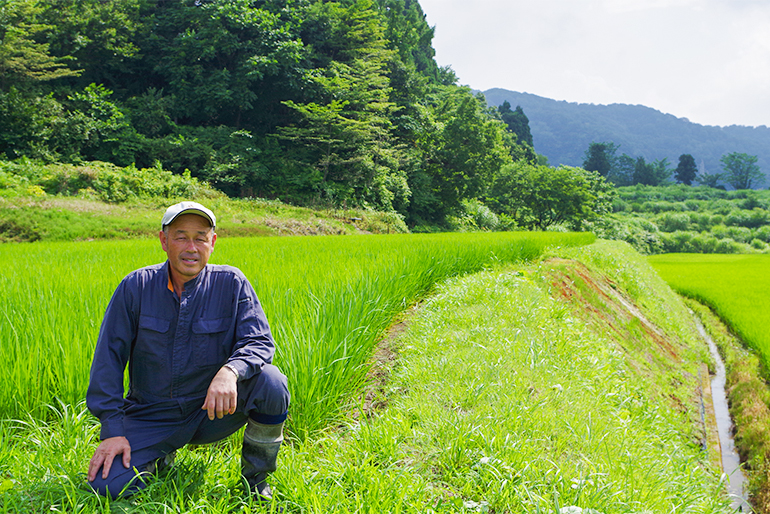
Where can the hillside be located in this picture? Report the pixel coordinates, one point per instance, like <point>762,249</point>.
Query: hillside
<point>563,130</point>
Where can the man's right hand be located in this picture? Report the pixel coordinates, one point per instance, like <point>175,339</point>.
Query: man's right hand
<point>105,453</point>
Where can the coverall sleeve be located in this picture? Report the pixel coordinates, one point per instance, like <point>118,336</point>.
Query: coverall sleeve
<point>254,344</point>
<point>113,348</point>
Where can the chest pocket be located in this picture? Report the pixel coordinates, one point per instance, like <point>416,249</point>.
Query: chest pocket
<point>209,345</point>
<point>152,346</point>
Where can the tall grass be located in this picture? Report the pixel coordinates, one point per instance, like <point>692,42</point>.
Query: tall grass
<point>735,286</point>
<point>327,299</point>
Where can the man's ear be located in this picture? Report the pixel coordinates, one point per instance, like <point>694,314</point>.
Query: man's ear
<point>163,241</point>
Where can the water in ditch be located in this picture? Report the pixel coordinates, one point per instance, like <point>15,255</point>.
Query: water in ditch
<point>730,460</point>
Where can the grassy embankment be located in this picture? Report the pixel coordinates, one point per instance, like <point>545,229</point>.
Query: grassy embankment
<point>735,287</point>
<point>523,388</point>
<point>62,202</point>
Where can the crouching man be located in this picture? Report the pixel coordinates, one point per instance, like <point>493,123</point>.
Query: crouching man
<point>198,350</point>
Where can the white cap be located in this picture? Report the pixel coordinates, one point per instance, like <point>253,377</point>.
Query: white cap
<point>177,210</point>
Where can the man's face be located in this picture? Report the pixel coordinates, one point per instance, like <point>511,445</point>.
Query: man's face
<point>188,242</point>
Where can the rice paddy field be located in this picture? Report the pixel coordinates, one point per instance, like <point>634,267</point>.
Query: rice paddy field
<point>328,300</point>
<point>503,398</point>
<point>735,286</point>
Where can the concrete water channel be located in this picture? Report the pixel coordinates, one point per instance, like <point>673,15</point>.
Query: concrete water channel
<point>731,462</point>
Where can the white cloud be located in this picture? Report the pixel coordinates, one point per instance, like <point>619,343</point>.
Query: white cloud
<point>707,60</point>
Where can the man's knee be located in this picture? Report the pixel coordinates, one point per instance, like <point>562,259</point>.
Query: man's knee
<point>268,392</point>
<point>120,483</point>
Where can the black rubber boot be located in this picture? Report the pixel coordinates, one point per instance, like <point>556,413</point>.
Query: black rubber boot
<point>162,464</point>
<point>258,458</point>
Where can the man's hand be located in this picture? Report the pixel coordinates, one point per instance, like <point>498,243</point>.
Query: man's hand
<point>105,453</point>
<point>222,396</point>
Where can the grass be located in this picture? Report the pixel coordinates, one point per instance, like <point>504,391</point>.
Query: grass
<point>505,397</point>
<point>327,299</point>
<point>60,218</point>
<point>735,286</point>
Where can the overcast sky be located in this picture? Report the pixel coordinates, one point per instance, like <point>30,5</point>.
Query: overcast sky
<point>705,60</point>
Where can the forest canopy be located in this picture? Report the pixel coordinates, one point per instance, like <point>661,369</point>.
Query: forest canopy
<point>313,102</point>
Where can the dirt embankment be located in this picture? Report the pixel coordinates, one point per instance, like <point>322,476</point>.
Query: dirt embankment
<point>649,351</point>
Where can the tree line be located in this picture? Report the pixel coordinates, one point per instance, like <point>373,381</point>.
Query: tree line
<point>739,170</point>
<point>313,102</point>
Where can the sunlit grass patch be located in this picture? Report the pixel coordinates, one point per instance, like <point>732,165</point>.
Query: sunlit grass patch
<point>735,286</point>
<point>504,401</point>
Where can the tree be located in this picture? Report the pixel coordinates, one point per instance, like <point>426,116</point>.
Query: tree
<point>622,174</point>
<point>600,157</point>
<point>686,170</point>
<point>463,149</point>
<point>517,122</point>
<point>347,139</point>
<point>710,179</point>
<point>655,173</point>
<point>23,60</point>
<point>539,196</point>
<point>741,170</point>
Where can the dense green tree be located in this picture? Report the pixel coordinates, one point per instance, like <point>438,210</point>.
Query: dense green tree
<point>463,149</point>
<point>600,157</point>
<point>655,173</point>
<point>517,122</point>
<point>686,169</point>
<point>99,40</point>
<point>311,101</point>
<point>539,197</point>
<point>348,143</point>
<point>741,170</point>
<point>23,59</point>
<point>622,172</point>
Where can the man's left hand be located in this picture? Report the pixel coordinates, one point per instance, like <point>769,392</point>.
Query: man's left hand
<point>222,395</point>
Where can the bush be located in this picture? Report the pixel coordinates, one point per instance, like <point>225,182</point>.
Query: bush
<point>701,221</point>
<point>101,180</point>
<point>692,205</point>
<point>671,222</point>
<point>728,246</point>
<point>640,233</point>
<point>763,233</point>
<point>475,216</point>
<point>739,234</point>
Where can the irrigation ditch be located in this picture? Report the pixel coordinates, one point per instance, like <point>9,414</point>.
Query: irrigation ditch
<point>729,458</point>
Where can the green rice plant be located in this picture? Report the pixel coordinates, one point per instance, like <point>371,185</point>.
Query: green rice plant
<point>328,299</point>
<point>735,286</point>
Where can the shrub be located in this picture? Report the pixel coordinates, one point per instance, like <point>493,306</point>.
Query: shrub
<point>763,233</point>
<point>727,245</point>
<point>475,216</point>
<point>719,231</point>
<point>640,233</point>
<point>677,242</point>
<point>692,205</point>
<point>739,234</point>
<point>704,243</point>
<point>701,221</point>
<point>671,222</point>
<point>101,180</point>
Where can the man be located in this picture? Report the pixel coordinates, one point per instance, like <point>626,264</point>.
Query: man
<point>199,352</point>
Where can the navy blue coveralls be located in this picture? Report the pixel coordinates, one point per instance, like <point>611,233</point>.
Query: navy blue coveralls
<point>173,348</point>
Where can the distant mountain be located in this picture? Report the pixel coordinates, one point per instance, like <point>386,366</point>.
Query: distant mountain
<point>563,130</point>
